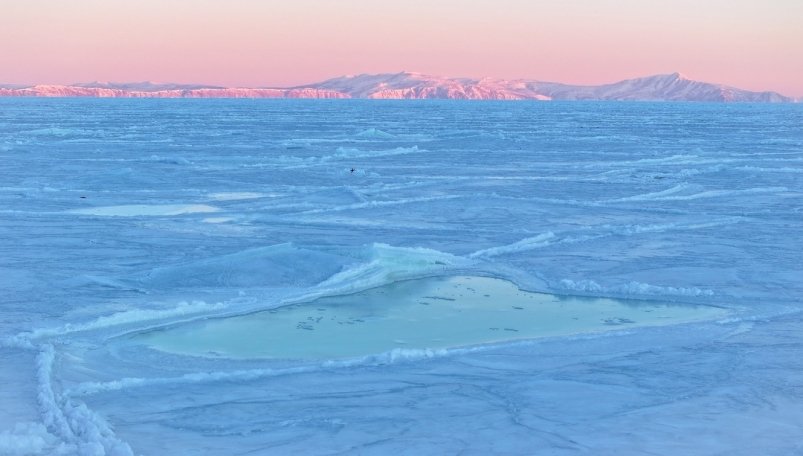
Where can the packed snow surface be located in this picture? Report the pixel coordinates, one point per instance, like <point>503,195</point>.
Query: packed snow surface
<point>127,218</point>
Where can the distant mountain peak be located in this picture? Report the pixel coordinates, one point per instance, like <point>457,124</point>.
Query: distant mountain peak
<point>667,78</point>
<point>662,87</point>
<point>413,85</point>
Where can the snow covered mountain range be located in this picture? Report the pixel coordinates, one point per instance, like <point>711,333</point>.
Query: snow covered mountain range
<point>405,85</point>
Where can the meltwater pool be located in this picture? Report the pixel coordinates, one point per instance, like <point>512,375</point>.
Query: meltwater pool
<point>436,313</point>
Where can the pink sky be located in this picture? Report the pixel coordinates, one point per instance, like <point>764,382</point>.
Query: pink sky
<point>752,44</point>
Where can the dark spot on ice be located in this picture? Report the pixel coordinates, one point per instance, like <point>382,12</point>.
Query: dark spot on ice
<point>83,197</point>
<point>518,308</point>
<point>511,329</point>
<point>440,297</point>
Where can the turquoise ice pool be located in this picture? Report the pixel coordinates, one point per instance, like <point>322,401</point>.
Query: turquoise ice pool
<point>439,312</point>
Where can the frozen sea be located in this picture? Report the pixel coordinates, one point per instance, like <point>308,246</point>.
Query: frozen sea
<point>123,222</point>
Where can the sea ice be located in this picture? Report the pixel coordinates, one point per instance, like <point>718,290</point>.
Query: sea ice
<point>180,220</point>
<point>433,313</point>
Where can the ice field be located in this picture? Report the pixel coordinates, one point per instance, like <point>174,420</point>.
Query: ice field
<point>224,277</point>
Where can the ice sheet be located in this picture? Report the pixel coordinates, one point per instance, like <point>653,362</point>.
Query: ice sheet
<point>433,313</point>
<point>690,204</point>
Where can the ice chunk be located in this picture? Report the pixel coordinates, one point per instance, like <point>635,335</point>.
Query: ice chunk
<point>375,133</point>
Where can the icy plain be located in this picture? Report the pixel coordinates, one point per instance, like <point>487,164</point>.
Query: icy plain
<point>121,217</point>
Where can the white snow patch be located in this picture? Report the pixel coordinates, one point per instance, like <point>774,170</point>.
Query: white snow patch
<point>135,210</point>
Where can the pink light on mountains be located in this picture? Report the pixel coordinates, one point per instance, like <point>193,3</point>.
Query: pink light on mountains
<point>756,45</point>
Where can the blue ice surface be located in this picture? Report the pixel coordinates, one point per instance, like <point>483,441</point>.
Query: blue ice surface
<point>431,313</point>
<point>124,216</point>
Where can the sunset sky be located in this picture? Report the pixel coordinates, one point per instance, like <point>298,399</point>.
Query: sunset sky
<point>752,44</point>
